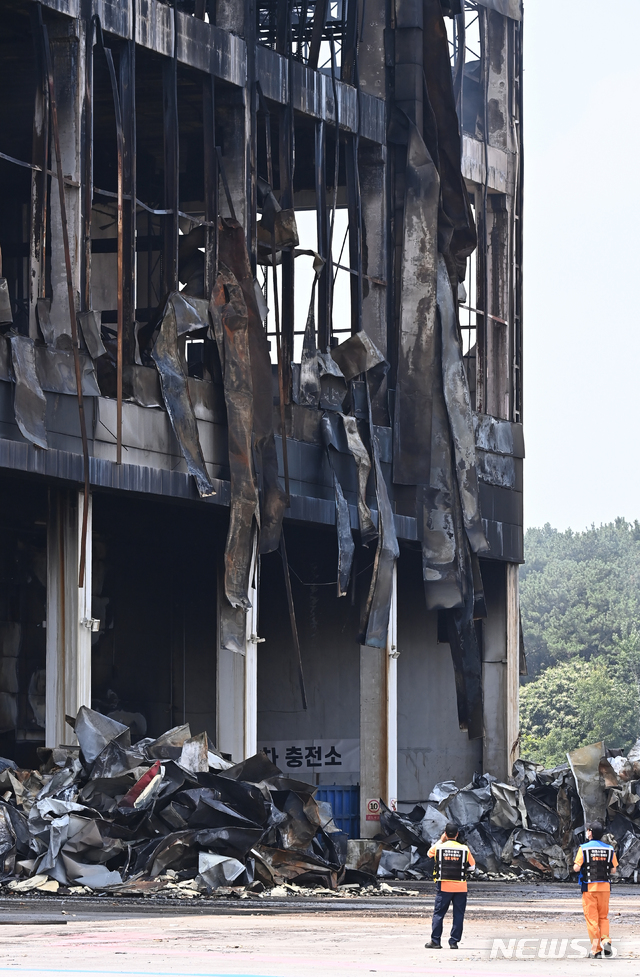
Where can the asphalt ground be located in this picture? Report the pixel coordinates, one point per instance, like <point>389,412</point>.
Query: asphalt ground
<point>540,928</point>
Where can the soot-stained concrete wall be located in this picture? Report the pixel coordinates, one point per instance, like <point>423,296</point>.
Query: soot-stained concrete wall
<point>328,629</point>
<point>431,746</point>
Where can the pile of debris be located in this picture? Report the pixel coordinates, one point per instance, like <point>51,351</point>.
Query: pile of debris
<point>168,814</point>
<point>530,826</point>
<point>174,817</point>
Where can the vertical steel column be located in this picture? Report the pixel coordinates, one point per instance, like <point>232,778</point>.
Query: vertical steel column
<point>288,262</point>
<point>513,665</point>
<point>355,231</point>
<point>210,183</point>
<point>518,231</point>
<point>39,186</point>
<point>70,291</point>
<point>379,725</point>
<point>237,676</point>
<point>68,634</point>
<point>87,203</point>
<point>251,114</point>
<point>319,20</point>
<point>171,166</point>
<point>322,217</point>
<point>128,106</point>
<point>117,108</point>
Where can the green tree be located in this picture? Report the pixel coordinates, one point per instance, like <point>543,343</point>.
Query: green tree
<point>580,601</point>
<point>574,703</point>
<point>579,591</point>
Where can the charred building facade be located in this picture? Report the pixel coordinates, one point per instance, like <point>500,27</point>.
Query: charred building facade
<point>260,380</point>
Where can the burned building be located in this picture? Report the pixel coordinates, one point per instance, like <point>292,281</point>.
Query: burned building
<point>260,381</point>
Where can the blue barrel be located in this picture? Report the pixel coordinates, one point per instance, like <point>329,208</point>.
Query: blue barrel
<point>345,804</point>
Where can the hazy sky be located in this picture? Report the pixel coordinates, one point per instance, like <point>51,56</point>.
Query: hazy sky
<point>581,282</point>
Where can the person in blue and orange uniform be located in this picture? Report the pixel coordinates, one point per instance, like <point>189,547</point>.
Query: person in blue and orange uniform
<point>452,862</point>
<point>596,861</point>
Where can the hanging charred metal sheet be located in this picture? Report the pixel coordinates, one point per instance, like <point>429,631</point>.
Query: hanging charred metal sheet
<point>360,454</point>
<point>359,354</point>
<point>6,316</point>
<point>458,401</point>
<point>47,328</point>
<point>585,767</point>
<point>30,405</point>
<point>457,233</point>
<point>56,372</point>
<point>440,562</point>
<point>333,386</point>
<point>508,8</point>
<point>412,415</point>
<point>141,385</point>
<point>275,222</point>
<point>175,392</point>
<point>467,665</point>
<point>191,313</point>
<point>229,314</point>
<point>5,360</point>
<point>233,253</point>
<point>90,323</point>
<point>346,545</point>
<point>375,625</point>
<point>309,395</point>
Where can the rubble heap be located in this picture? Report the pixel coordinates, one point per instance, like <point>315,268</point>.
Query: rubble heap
<point>165,812</point>
<point>533,824</point>
<point>173,816</point>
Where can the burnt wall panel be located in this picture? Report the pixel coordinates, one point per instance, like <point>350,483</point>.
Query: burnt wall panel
<point>431,746</point>
<point>328,629</point>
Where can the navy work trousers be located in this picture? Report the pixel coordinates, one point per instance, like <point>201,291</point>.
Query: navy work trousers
<point>443,901</point>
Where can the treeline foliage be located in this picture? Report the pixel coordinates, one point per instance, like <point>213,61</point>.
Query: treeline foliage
<point>580,601</point>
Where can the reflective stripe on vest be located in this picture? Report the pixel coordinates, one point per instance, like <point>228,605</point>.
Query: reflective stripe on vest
<point>597,864</point>
<point>451,864</point>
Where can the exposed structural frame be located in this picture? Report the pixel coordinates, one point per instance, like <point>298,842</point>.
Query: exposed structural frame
<point>274,259</point>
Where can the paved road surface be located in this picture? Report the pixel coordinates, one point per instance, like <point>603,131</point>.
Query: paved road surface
<point>313,938</point>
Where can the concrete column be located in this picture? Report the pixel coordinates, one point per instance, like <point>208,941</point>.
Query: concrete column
<point>68,55</point>
<point>379,726</point>
<point>68,683</point>
<point>373,191</point>
<point>513,664</point>
<point>371,52</point>
<point>494,670</point>
<point>237,682</point>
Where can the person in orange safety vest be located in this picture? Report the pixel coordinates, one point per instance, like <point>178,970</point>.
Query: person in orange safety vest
<point>596,861</point>
<point>452,860</point>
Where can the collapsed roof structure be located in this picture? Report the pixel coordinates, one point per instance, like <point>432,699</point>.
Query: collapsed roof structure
<point>260,381</point>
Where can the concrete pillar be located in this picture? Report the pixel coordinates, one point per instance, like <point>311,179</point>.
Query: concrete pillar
<point>371,52</point>
<point>513,664</point>
<point>379,726</point>
<point>494,670</point>
<point>237,681</point>
<point>68,683</point>
<point>68,55</point>
<point>373,192</point>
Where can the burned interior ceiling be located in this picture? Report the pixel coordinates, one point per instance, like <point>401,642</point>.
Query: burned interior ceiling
<point>265,262</point>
